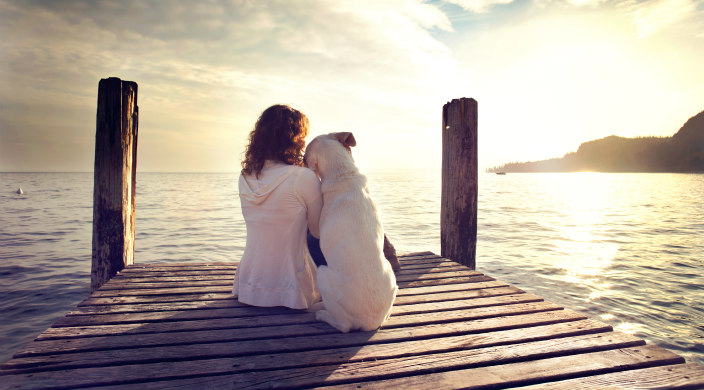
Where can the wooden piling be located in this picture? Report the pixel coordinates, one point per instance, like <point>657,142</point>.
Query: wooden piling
<point>458,209</point>
<point>114,179</point>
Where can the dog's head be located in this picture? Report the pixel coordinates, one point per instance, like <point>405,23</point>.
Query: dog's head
<point>329,153</point>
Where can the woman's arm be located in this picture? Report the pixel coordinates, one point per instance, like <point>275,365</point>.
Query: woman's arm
<point>309,190</point>
<point>314,209</point>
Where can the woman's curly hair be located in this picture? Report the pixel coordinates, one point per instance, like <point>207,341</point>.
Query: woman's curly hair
<point>279,135</point>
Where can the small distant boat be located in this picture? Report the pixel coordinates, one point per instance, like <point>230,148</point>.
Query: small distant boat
<point>500,173</point>
<point>19,191</point>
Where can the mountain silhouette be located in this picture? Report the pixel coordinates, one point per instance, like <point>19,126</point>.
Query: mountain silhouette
<point>683,152</point>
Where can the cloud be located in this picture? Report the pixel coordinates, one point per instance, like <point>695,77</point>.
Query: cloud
<point>586,2</point>
<point>253,39</point>
<point>648,17</point>
<point>478,6</point>
<point>379,68</point>
<point>651,16</point>
<point>213,66</point>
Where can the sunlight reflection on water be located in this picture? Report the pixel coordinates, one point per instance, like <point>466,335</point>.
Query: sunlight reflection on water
<point>618,246</point>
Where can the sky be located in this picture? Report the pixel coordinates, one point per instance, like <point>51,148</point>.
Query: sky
<point>547,75</point>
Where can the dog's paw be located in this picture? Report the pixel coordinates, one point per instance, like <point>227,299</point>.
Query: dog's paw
<point>316,307</point>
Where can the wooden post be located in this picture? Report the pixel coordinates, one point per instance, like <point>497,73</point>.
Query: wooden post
<point>458,209</point>
<point>114,179</point>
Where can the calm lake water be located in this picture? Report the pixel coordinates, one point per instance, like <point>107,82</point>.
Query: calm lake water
<point>624,248</point>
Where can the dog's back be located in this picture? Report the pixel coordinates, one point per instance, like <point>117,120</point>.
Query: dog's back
<point>358,285</point>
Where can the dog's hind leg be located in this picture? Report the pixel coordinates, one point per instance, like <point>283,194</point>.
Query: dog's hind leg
<point>332,312</point>
<point>340,323</point>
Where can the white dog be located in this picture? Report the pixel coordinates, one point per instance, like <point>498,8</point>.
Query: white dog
<point>358,285</point>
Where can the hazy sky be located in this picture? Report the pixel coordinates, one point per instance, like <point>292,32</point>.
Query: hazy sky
<point>548,75</point>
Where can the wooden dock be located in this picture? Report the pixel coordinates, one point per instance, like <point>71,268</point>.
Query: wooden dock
<point>177,326</point>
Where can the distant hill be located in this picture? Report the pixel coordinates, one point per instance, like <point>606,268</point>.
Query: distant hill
<point>683,152</point>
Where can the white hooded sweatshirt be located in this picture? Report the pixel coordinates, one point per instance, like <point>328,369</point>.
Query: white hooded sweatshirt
<point>276,268</point>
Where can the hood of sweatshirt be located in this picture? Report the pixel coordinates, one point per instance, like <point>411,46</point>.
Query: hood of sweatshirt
<point>256,191</point>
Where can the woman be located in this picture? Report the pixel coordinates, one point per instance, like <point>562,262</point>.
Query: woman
<point>280,200</point>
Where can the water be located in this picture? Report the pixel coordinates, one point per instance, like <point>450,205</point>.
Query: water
<point>623,248</point>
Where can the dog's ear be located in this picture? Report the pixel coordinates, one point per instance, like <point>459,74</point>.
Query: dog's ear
<point>310,159</point>
<point>346,138</point>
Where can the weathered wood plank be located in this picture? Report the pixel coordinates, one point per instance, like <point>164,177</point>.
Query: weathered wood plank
<point>517,321</point>
<point>681,376</point>
<point>532,371</point>
<point>52,346</point>
<point>184,349</point>
<point>169,274</point>
<point>136,299</point>
<point>254,316</point>
<point>409,267</point>
<point>185,297</point>
<point>397,341</point>
<point>460,286</point>
<point>82,331</point>
<point>447,280</point>
<point>418,254</point>
<point>411,259</point>
<point>356,362</point>
<point>174,306</point>
<point>181,264</point>
<point>461,294</point>
<point>447,324</point>
<point>428,260</point>
<point>228,288</point>
<point>413,365</point>
<point>437,275</point>
<point>211,304</point>
<point>460,304</point>
<point>129,284</point>
<point>186,267</point>
<point>239,316</point>
<point>150,277</point>
<point>470,314</point>
<point>158,291</point>
<point>123,279</point>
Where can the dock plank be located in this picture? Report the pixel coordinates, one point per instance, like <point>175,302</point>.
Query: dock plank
<point>526,372</point>
<point>49,346</point>
<point>161,326</point>
<point>359,362</point>
<point>681,376</point>
<point>515,321</point>
<point>227,303</point>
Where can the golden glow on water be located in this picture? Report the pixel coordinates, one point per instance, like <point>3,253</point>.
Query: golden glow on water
<point>624,248</point>
<point>587,255</point>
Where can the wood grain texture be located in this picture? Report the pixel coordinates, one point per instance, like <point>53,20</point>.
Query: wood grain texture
<point>681,376</point>
<point>456,329</point>
<point>114,179</point>
<point>458,203</point>
<point>531,371</point>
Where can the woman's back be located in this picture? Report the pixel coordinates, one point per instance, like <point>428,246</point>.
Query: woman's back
<point>276,268</point>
